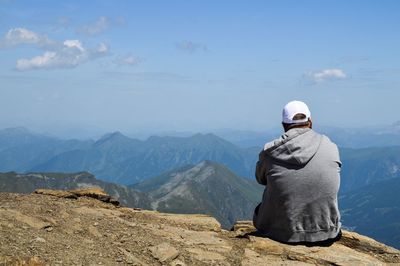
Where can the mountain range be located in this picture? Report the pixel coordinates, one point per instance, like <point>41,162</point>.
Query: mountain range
<point>21,149</point>
<point>120,159</point>
<point>117,158</point>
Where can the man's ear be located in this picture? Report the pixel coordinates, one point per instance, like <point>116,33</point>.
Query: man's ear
<point>309,123</point>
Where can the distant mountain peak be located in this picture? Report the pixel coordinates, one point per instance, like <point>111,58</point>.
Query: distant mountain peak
<point>197,135</point>
<point>200,171</point>
<point>207,136</point>
<point>208,164</point>
<point>114,136</point>
<point>203,135</point>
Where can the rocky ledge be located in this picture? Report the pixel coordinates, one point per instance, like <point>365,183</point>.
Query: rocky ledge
<point>88,228</point>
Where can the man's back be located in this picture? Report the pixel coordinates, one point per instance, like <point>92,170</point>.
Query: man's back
<point>301,174</point>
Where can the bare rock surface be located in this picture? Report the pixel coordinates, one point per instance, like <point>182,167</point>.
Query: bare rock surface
<point>55,228</point>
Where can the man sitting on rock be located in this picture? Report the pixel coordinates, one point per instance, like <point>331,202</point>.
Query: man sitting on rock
<point>301,175</point>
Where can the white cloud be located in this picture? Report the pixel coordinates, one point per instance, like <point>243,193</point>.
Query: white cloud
<point>66,54</point>
<point>128,60</point>
<point>326,75</point>
<point>71,54</point>
<point>191,47</point>
<point>97,27</point>
<point>47,59</point>
<point>17,36</point>
<point>74,44</point>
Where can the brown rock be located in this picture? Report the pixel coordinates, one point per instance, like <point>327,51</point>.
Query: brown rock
<point>207,256</point>
<point>130,258</point>
<point>177,263</point>
<point>80,192</point>
<point>91,192</point>
<point>27,261</point>
<point>91,232</point>
<point>351,249</point>
<point>56,193</point>
<point>30,220</point>
<point>164,252</point>
<point>40,240</point>
<point>241,228</point>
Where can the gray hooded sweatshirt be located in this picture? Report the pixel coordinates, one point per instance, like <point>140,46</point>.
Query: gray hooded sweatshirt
<point>301,172</point>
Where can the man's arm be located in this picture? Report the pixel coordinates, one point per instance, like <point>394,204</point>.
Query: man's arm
<point>261,168</point>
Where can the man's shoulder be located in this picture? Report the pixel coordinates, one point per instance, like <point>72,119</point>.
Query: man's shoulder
<point>326,140</point>
<point>269,145</point>
<point>273,143</point>
<point>329,147</point>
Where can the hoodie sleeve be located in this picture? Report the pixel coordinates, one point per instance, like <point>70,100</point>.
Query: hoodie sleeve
<point>261,168</point>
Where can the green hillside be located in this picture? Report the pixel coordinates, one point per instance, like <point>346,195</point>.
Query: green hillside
<point>374,210</point>
<point>208,188</point>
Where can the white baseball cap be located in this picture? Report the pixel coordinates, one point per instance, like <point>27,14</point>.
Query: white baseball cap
<point>293,108</point>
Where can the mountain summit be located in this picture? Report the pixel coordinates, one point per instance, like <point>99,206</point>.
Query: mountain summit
<point>53,228</point>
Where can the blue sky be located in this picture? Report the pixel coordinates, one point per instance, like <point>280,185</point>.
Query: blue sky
<point>196,65</point>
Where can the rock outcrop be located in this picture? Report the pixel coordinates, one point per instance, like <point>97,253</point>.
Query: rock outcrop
<point>55,228</point>
<point>94,192</point>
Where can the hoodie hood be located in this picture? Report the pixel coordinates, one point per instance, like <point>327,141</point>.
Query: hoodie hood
<point>296,146</point>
